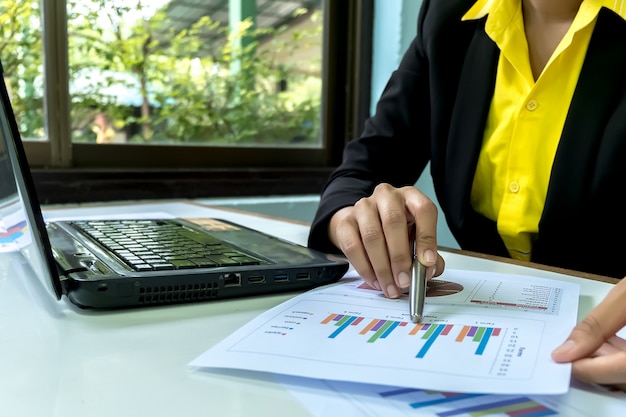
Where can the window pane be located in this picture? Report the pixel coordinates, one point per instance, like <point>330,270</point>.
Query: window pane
<point>22,60</point>
<point>201,72</point>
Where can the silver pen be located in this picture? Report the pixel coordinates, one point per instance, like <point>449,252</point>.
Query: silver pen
<point>417,291</point>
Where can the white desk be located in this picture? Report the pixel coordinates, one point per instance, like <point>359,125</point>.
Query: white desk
<point>58,360</point>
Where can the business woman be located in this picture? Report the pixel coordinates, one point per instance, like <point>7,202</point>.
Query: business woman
<point>520,108</point>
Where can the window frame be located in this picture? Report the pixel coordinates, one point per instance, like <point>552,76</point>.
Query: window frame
<point>62,169</point>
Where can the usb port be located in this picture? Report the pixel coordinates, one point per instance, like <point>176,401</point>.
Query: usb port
<point>256,279</point>
<point>303,276</point>
<point>281,278</point>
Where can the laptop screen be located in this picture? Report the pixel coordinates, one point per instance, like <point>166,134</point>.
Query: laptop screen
<point>21,222</point>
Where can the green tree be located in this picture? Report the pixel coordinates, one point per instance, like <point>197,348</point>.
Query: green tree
<point>181,82</point>
<point>22,59</point>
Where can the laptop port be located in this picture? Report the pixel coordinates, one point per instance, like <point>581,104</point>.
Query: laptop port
<point>281,278</point>
<point>232,280</point>
<point>303,276</point>
<point>256,279</point>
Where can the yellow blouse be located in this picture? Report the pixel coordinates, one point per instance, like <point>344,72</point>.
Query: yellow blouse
<point>525,119</point>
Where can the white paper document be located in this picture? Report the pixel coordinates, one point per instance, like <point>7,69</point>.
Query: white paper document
<point>323,398</point>
<point>480,333</point>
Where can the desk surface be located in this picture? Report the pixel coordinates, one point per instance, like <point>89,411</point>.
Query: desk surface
<point>58,360</point>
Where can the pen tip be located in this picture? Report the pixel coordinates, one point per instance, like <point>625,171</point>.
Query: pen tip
<point>416,318</point>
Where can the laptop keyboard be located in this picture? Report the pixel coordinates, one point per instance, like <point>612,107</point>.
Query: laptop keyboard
<point>151,245</point>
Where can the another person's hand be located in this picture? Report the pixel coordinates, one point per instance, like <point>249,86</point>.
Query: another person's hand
<point>377,234</point>
<point>597,354</point>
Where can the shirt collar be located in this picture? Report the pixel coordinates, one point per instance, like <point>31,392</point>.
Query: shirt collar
<point>483,7</point>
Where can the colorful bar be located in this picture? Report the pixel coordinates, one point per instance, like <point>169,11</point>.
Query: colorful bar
<point>14,232</point>
<point>478,334</point>
<point>430,328</point>
<point>526,409</point>
<point>462,334</point>
<point>341,319</point>
<point>433,332</point>
<point>444,400</point>
<point>537,411</point>
<point>399,391</point>
<point>345,322</point>
<point>382,328</point>
<point>447,329</point>
<point>447,396</point>
<point>357,321</point>
<point>523,406</point>
<point>369,327</point>
<point>379,325</point>
<point>415,329</point>
<point>483,341</point>
<point>329,318</point>
<point>390,329</point>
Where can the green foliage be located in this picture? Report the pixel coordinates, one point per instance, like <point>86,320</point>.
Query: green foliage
<point>20,52</point>
<point>226,105</point>
<point>204,84</point>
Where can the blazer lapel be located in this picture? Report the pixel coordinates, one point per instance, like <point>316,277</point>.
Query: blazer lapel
<point>467,123</point>
<point>598,91</point>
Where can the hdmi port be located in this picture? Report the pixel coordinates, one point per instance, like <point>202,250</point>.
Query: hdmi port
<point>256,279</point>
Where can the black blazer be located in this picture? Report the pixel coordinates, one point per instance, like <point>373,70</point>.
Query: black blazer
<point>434,108</point>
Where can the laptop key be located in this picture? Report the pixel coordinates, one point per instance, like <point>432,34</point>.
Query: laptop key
<point>162,266</point>
<point>183,264</point>
<point>142,267</point>
<point>246,260</point>
<point>223,260</point>
<point>204,262</point>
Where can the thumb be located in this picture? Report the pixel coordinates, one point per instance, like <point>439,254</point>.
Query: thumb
<point>585,338</point>
<point>598,326</point>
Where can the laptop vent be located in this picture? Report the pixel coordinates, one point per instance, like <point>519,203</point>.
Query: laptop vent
<point>177,293</point>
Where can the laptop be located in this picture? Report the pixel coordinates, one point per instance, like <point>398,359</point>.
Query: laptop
<point>107,264</point>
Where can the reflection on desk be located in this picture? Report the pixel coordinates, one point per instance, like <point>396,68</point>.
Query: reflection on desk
<point>58,360</point>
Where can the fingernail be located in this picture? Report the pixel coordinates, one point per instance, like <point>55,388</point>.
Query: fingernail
<point>566,346</point>
<point>392,291</point>
<point>430,257</point>
<point>376,285</point>
<point>403,280</point>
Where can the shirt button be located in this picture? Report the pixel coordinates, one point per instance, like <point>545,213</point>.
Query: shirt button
<point>532,105</point>
<point>514,186</point>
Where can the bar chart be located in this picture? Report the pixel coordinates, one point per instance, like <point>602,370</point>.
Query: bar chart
<point>376,329</point>
<point>372,399</point>
<point>13,236</point>
<point>451,404</point>
<point>498,345</point>
<point>445,342</point>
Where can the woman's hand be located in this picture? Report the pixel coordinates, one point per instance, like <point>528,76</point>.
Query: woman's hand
<point>377,234</point>
<point>597,354</point>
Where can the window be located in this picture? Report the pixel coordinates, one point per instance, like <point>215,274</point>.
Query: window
<point>179,72</point>
<point>195,84</point>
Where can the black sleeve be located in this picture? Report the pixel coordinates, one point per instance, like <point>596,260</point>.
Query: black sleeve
<point>393,147</point>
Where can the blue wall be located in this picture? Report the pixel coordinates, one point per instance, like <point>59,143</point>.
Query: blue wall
<point>395,23</point>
